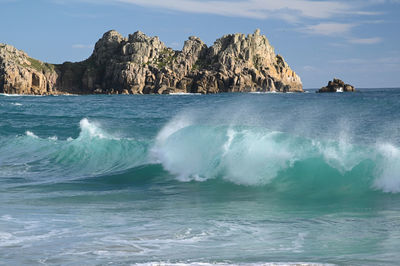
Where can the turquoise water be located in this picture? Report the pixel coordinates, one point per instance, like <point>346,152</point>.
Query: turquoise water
<point>189,179</point>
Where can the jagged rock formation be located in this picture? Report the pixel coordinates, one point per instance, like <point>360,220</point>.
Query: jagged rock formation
<point>24,75</point>
<point>337,85</point>
<point>140,65</point>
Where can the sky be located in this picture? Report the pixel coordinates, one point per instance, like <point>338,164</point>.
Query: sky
<point>357,41</point>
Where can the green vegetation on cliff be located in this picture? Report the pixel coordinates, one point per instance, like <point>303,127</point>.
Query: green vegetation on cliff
<point>39,66</point>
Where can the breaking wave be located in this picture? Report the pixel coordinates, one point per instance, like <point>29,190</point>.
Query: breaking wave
<point>93,152</point>
<point>191,151</point>
<point>256,156</point>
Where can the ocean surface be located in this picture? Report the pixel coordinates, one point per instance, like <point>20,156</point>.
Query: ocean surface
<point>198,179</point>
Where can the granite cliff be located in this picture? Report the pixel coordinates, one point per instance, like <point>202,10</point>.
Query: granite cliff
<point>141,64</point>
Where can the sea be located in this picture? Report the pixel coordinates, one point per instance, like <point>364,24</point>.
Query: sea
<point>186,179</point>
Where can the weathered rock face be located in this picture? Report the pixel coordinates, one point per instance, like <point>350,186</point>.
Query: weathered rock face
<point>24,75</point>
<point>337,85</point>
<point>140,65</point>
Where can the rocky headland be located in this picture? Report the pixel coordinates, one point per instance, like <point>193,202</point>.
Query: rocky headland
<point>141,64</point>
<point>337,85</point>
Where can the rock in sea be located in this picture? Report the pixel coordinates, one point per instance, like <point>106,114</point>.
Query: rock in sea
<point>337,85</point>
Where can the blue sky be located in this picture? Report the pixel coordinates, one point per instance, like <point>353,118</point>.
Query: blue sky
<point>358,41</point>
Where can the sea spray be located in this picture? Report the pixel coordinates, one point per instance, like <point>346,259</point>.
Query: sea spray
<point>92,130</point>
<point>31,134</point>
<point>388,170</point>
<point>244,155</point>
<point>256,156</point>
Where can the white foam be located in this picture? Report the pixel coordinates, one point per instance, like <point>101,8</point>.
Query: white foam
<point>31,134</point>
<point>33,95</point>
<point>202,152</point>
<point>255,158</point>
<point>184,93</point>
<point>264,92</point>
<point>5,236</point>
<point>16,104</point>
<point>20,95</point>
<point>6,217</point>
<point>187,177</point>
<point>230,134</point>
<point>341,154</point>
<point>299,242</point>
<point>173,126</point>
<point>12,240</point>
<point>178,156</point>
<point>388,172</point>
<point>92,129</point>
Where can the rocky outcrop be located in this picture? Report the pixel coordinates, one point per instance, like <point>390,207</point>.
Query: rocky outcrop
<point>337,85</point>
<point>141,64</point>
<point>22,74</point>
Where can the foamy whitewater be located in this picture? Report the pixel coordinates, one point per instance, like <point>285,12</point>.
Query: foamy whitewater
<point>248,179</point>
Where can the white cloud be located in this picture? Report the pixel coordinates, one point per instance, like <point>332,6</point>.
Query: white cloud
<point>349,61</point>
<point>395,59</point>
<point>259,9</point>
<point>329,17</point>
<point>378,2</point>
<point>309,68</point>
<point>387,61</point>
<point>82,46</point>
<point>329,28</point>
<point>290,10</point>
<point>373,40</point>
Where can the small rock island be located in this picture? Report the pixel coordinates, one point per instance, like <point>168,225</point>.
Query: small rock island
<point>337,85</point>
<point>141,64</point>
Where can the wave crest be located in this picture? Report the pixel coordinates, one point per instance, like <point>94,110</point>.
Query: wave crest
<point>92,153</point>
<point>256,156</point>
<point>193,151</point>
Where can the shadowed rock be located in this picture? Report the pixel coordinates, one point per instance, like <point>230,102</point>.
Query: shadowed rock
<point>337,85</point>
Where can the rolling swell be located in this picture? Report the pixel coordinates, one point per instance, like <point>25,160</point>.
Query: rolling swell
<point>214,154</point>
<point>94,152</point>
